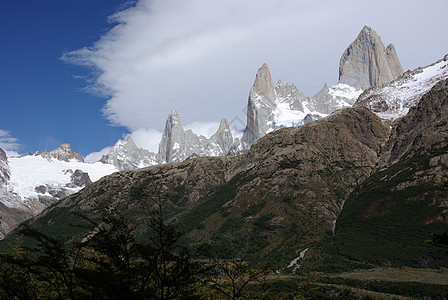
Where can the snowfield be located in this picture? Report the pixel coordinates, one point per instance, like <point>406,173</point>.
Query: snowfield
<point>28,172</point>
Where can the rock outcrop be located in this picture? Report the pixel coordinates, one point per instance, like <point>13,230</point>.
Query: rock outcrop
<point>367,63</point>
<point>125,155</point>
<point>63,153</point>
<point>79,179</point>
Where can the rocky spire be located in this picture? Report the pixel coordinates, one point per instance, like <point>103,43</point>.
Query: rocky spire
<point>173,136</point>
<point>366,62</point>
<point>260,105</point>
<point>263,84</point>
<point>178,144</point>
<point>223,137</point>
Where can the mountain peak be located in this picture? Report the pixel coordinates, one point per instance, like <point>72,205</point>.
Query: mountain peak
<point>366,62</point>
<point>223,136</point>
<point>223,125</point>
<point>131,142</point>
<point>263,84</point>
<point>366,30</point>
<point>63,153</point>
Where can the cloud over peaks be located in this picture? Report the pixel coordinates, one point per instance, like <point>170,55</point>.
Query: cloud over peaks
<point>200,57</point>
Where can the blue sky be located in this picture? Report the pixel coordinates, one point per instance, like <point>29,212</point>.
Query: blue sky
<point>89,72</point>
<point>42,102</point>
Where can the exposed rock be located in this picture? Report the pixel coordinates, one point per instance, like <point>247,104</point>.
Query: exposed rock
<point>367,63</point>
<point>63,153</point>
<point>4,168</point>
<point>333,98</point>
<point>12,210</point>
<point>178,144</point>
<point>290,94</point>
<point>223,137</point>
<point>310,118</point>
<point>41,189</point>
<point>10,218</point>
<point>125,155</point>
<point>260,106</point>
<point>79,179</point>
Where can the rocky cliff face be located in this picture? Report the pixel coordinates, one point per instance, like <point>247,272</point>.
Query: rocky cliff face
<point>63,153</point>
<point>125,155</point>
<point>366,62</point>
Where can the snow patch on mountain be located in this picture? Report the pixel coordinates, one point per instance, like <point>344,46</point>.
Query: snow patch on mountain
<point>29,172</point>
<point>284,116</point>
<point>345,92</point>
<point>393,100</point>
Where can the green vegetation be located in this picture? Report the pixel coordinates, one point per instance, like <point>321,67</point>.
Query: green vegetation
<point>108,263</point>
<point>385,225</point>
<point>408,289</point>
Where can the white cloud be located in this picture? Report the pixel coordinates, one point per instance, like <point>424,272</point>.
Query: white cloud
<point>206,129</point>
<point>8,143</point>
<point>148,139</point>
<point>96,156</point>
<point>200,57</point>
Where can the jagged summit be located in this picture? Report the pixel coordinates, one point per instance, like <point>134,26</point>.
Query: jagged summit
<point>126,155</point>
<point>178,144</point>
<point>366,62</point>
<point>63,153</point>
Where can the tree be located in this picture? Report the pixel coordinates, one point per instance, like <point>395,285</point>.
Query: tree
<point>232,278</point>
<point>110,262</point>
